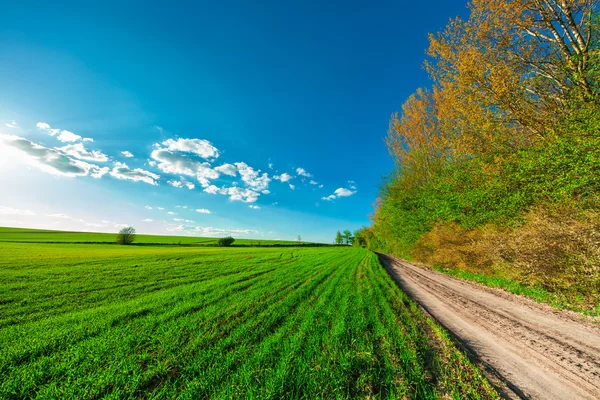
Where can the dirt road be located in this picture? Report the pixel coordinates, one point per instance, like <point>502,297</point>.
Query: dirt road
<point>527,350</point>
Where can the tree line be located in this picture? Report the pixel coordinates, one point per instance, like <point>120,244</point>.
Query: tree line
<point>506,132</point>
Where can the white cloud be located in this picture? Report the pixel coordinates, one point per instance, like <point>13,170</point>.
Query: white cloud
<point>313,182</point>
<point>320,186</point>
<point>182,183</point>
<point>212,189</point>
<point>227,169</point>
<point>45,127</point>
<point>352,185</point>
<point>148,220</point>
<point>160,208</point>
<point>339,192</point>
<point>175,163</point>
<point>203,211</point>
<point>50,160</point>
<point>64,216</point>
<point>342,192</point>
<point>200,147</point>
<point>62,135</point>
<point>79,151</point>
<point>270,165</point>
<point>254,207</point>
<point>239,194</point>
<point>189,221</point>
<point>293,187</point>
<point>127,154</point>
<point>283,177</point>
<point>210,231</point>
<point>12,124</point>
<point>68,136</point>
<point>253,178</point>
<point>148,207</point>
<point>122,171</point>
<point>152,163</point>
<point>171,213</point>
<point>302,172</point>
<point>14,211</point>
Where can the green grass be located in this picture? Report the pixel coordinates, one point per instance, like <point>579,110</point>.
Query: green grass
<point>103,321</point>
<point>48,236</point>
<point>558,300</point>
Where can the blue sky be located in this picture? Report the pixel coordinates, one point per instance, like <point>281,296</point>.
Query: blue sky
<point>268,117</point>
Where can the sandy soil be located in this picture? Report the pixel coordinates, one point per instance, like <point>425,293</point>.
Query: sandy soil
<point>527,350</point>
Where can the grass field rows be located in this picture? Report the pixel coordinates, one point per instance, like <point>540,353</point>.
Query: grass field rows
<point>104,321</point>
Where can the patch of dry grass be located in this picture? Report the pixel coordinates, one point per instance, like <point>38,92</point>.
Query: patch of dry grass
<point>556,248</point>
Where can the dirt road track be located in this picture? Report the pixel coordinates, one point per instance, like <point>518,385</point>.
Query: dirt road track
<point>527,350</point>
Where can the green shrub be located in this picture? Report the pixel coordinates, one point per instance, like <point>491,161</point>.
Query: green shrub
<point>126,235</point>
<point>226,241</point>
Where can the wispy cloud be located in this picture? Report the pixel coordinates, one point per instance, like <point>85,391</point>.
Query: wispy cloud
<point>52,161</point>
<point>77,150</point>
<point>302,172</point>
<point>254,207</point>
<point>12,124</point>
<point>14,211</point>
<point>181,183</point>
<point>203,211</point>
<point>127,154</point>
<point>253,178</point>
<point>200,147</point>
<point>62,135</point>
<point>122,171</point>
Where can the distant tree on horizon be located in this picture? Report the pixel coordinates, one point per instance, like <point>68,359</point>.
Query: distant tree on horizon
<point>347,236</point>
<point>299,239</point>
<point>338,238</point>
<point>226,241</point>
<point>126,235</point>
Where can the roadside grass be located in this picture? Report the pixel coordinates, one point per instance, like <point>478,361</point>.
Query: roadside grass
<point>562,301</point>
<point>101,321</point>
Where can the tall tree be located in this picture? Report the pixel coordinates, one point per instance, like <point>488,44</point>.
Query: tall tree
<point>347,235</point>
<point>338,238</point>
<point>505,75</point>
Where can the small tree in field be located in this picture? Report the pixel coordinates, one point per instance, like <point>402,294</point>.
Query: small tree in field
<point>126,235</point>
<point>226,241</point>
<point>338,238</point>
<point>347,235</point>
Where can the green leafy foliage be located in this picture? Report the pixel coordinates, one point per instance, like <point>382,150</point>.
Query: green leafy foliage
<point>226,241</point>
<point>126,235</point>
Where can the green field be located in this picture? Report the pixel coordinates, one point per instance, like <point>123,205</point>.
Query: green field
<point>48,236</point>
<point>87,321</point>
